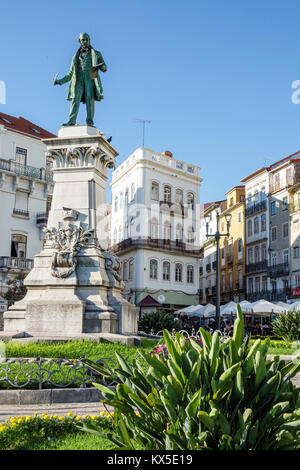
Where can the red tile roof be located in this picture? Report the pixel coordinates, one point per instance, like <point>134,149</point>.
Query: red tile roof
<point>19,124</point>
<point>148,301</point>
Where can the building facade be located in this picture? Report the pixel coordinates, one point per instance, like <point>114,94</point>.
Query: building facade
<point>25,195</point>
<point>154,227</point>
<point>232,248</point>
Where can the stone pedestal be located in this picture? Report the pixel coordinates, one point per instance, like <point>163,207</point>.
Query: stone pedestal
<point>75,285</point>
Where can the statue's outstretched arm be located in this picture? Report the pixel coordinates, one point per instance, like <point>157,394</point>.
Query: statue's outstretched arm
<point>65,79</point>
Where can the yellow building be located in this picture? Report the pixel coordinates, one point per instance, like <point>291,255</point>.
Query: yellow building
<point>232,248</point>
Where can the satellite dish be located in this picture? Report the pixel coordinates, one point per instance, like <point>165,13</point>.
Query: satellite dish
<point>161,299</point>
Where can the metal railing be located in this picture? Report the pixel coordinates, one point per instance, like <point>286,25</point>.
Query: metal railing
<point>159,243</point>
<point>41,218</point>
<point>256,267</point>
<point>26,170</point>
<point>255,208</point>
<point>271,295</point>
<point>11,262</point>
<point>278,269</point>
<point>21,212</point>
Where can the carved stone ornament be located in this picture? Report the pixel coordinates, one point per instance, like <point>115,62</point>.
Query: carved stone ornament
<point>67,242</point>
<point>73,156</point>
<point>112,265</point>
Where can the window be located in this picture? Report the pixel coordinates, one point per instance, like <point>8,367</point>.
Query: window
<point>121,200</point>
<point>273,234</point>
<point>21,201</point>
<point>115,236</point>
<point>249,228</point>
<point>130,271</point>
<point>285,203</point>
<point>263,193</point>
<point>223,252</point>
<point>178,272</point>
<point>154,191</point>
<point>231,201</point>
<point>18,246</point>
<point>264,283</point>
<point>222,226</point>
<point>190,200</point>
<point>285,230</point>
<point>264,252</point>
<point>263,223</point>
<point>250,285</point>
<point>240,217</point>
<point>286,257</point>
<point>191,235</point>
<point>296,251</point>
<point>120,234</point>
<point>230,281</point>
<point>277,181</point>
<point>179,196</point>
<point>289,176</point>
<point>256,225</point>
<point>256,197</point>
<point>167,231</point>
<point>223,282</point>
<point>250,256</point>
<point>179,233</point>
<point>167,194</point>
<point>153,269</point>
<point>190,274</point>
<point>126,197</point>
<point>166,271</point>
<point>257,284</point>
<point>240,245</point>
<point>125,265</point>
<point>154,228</point>
<point>273,208</point>
<point>256,254</point>
<point>21,156</point>
<point>116,203</point>
<point>249,199</point>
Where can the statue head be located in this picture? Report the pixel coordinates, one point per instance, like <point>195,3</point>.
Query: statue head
<point>84,40</point>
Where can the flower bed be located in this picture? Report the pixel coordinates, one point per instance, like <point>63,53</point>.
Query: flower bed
<point>17,431</point>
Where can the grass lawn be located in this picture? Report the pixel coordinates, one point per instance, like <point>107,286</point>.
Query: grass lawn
<point>75,441</point>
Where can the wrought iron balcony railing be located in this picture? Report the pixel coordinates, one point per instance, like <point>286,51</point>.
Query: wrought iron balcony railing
<point>158,243</point>
<point>278,269</point>
<point>256,267</point>
<point>255,208</point>
<point>21,212</point>
<point>270,295</point>
<point>26,170</point>
<point>41,218</point>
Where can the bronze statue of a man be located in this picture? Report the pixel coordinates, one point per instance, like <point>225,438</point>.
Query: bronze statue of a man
<point>85,83</point>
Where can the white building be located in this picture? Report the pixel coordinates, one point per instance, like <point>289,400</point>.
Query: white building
<point>25,190</point>
<point>154,231</point>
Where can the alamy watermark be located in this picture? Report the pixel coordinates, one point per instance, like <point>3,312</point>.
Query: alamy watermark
<point>2,92</point>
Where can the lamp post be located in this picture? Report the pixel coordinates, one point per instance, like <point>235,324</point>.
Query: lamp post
<point>217,237</point>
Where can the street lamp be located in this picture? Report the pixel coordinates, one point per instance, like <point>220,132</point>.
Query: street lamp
<point>217,237</point>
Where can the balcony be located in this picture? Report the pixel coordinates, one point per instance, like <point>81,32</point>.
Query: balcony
<point>278,270</point>
<point>157,243</point>
<point>15,264</point>
<point>294,207</point>
<point>26,170</point>
<point>256,267</point>
<point>270,295</point>
<point>256,208</point>
<point>41,218</point>
<point>21,213</point>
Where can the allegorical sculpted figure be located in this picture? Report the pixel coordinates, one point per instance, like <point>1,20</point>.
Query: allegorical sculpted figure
<point>85,83</point>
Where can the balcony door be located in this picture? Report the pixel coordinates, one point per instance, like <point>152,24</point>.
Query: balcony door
<point>18,246</point>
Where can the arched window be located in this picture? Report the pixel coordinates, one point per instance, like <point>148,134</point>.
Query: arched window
<point>130,270</point>
<point>179,233</point>
<point>256,254</point>
<point>249,228</point>
<point>263,223</point>
<point>153,269</point>
<point>125,266</point>
<point>167,193</point>
<point>256,225</point>
<point>126,197</point>
<point>190,274</point>
<point>121,200</point>
<point>167,231</point>
<point>166,271</point>
<point>154,228</point>
<point>154,191</point>
<point>116,203</point>
<point>191,200</point>
<point>179,196</point>
<point>240,245</point>
<point>120,234</point>
<point>191,235</point>
<point>178,272</point>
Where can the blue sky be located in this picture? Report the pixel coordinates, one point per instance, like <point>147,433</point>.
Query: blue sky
<point>214,77</point>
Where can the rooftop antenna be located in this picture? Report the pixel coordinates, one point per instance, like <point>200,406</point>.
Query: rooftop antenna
<point>143,121</point>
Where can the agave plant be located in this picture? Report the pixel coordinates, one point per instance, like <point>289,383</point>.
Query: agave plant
<point>216,396</point>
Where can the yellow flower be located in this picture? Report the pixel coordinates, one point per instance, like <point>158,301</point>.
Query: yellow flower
<point>102,413</point>
<point>94,416</point>
<point>78,418</point>
<point>20,420</point>
<point>86,416</point>
<point>35,413</point>
<point>70,414</point>
<point>45,417</point>
<point>54,416</point>
<point>12,420</point>
<point>61,418</point>
<point>28,418</point>
<point>13,425</point>
<point>3,428</point>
